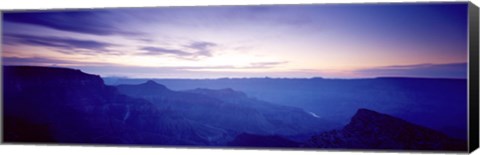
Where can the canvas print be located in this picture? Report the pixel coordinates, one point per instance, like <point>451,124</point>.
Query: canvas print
<point>319,76</point>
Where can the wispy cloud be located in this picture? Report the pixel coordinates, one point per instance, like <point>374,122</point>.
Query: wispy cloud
<point>161,51</point>
<point>42,61</point>
<point>266,64</point>
<point>32,61</point>
<point>202,48</point>
<point>61,44</point>
<point>452,70</point>
<point>88,22</point>
<point>191,51</point>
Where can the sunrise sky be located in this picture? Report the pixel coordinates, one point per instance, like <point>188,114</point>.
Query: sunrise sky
<point>329,40</point>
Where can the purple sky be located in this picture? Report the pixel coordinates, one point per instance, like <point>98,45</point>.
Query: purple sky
<point>329,40</point>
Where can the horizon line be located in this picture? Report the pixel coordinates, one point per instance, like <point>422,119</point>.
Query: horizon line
<point>285,78</point>
<point>253,77</point>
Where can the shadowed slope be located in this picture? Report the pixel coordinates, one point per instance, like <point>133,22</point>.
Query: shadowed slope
<point>372,130</point>
<point>59,105</point>
<point>229,109</point>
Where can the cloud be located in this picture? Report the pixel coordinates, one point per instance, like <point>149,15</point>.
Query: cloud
<point>61,44</point>
<point>266,64</point>
<point>201,45</point>
<point>452,70</point>
<point>31,61</point>
<point>42,61</point>
<point>202,48</point>
<point>191,51</point>
<point>88,22</point>
<point>160,51</point>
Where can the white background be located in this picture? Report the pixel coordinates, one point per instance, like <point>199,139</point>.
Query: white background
<point>81,150</point>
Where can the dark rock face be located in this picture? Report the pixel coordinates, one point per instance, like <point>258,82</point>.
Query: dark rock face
<point>372,130</point>
<point>250,140</point>
<point>58,105</point>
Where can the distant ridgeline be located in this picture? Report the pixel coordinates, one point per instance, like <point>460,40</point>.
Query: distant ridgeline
<point>59,105</point>
<point>440,104</point>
